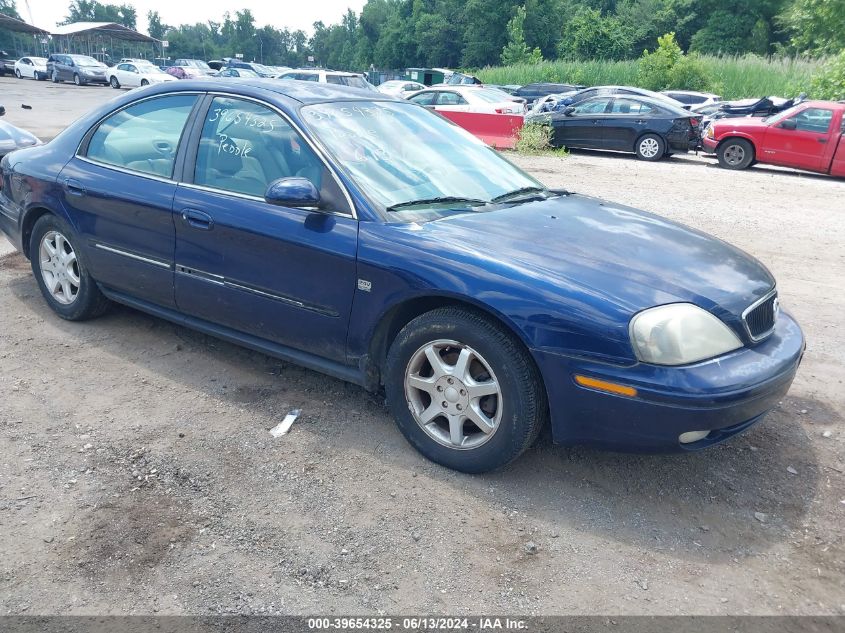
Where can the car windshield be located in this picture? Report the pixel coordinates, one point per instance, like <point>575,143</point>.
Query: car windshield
<point>411,161</point>
<point>84,60</point>
<point>195,63</point>
<point>353,81</point>
<point>150,69</point>
<point>246,72</point>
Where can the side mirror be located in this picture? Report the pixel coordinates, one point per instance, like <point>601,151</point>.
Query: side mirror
<point>293,192</point>
<point>569,110</point>
<point>789,124</point>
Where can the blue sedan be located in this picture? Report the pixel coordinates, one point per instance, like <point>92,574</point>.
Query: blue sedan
<point>372,240</point>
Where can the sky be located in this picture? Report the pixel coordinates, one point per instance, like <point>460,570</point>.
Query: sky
<point>293,14</point>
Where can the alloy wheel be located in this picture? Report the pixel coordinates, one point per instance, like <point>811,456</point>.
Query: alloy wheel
<point>734,154</point>
<point>649,147</point>
<point>453,394</point>
<point>59,267</point>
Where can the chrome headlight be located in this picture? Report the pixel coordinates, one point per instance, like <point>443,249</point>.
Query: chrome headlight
<point>678,334</point>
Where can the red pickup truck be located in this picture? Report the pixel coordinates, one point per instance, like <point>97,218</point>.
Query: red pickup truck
<point>807,136</point>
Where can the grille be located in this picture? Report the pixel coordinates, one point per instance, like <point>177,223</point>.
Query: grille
<point>760,317</point>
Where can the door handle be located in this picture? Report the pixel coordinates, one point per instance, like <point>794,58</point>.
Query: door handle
<point>197,219</point>
<point>822,140</point>
<point>74,187</point>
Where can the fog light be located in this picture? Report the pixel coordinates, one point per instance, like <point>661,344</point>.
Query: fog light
<point>692,436</point>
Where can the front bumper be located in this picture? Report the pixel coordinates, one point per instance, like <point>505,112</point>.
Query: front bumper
<point>95,79</point>
<point>709,145</point>
<point>725,395</point>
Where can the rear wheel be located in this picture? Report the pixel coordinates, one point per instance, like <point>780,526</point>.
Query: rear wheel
<point>114,82</point>
<point>144,82</point>
<point>55,77</point>
<point>60,272</point>
<point>650,147</point>
<point>464,392</point>
<point>735,153</point>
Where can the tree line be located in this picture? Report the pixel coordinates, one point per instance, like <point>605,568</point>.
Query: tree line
<point>476,33</point>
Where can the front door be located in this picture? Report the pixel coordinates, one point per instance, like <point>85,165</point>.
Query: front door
<point>802,146</point>
<point>583,127</point>
<point>283,274</point>
<point>121,189</point>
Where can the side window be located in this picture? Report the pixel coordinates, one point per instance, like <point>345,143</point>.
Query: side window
<point>814,120</point>
<point>592,106</point>
<point>143,137</point>
<point>629,106</point>
<point>245,146</point>
<point>450,99</point>
<point>424,99</point>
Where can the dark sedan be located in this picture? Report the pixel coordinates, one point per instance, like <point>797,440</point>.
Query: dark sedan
<point>649,128</point>
<point>369,238</point>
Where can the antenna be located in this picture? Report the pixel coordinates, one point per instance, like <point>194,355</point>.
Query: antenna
<point>29,11</point>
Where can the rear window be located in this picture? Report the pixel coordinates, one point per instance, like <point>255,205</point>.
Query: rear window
<point>347,80</point>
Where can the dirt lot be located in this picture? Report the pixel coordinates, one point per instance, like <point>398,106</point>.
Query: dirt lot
<point>137,474</point>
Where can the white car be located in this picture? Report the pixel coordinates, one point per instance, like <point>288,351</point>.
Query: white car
<point>128,75</point>
<point>399,88</point>
<point>692,98</point>
<point>32,67</point>
<point>327,77</point>
<point>468,99</point>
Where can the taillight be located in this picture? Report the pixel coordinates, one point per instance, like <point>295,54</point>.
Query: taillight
<point>694,122</point>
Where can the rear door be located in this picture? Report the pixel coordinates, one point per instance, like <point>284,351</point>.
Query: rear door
<point>449,101</point>
<point>627,118</point>
<point>803,147</point>
<point>286,275</point>
<point>120,189</point>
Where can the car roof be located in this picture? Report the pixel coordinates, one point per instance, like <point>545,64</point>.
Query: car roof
<point>660,103</point>
<point>305,92</point>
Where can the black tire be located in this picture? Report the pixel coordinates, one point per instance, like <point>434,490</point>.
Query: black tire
<point>77,79</point>
<point>89,302</point>
<point>144,82</point>
<point>650,147</point>
<point>735,153</point>
<point>114,82</point>
<point>18,73</point>
<point>56,77</point>
<point>523,397</point>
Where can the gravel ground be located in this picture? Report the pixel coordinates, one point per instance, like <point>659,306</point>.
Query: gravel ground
<point>137,474</point>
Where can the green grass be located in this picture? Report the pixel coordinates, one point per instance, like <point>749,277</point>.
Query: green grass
<point>731,77</point>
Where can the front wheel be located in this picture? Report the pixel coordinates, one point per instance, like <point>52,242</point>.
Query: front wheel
<point>650,147</point>
<point>144,82</point>
<point>60,272</point>
<point>77,79</point>
<point>114,82</point>
<point>736,153</point>
<point>18,73</point>
<point>463,390</point>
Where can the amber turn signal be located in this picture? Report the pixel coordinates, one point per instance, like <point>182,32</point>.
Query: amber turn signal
<point>603,385</point>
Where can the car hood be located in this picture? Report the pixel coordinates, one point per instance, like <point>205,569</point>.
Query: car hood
<point>740,122</point>
<point>630,258</point>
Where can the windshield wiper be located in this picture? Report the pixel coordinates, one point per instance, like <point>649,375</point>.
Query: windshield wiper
<point>519,193</point>
<point>441,200</point>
